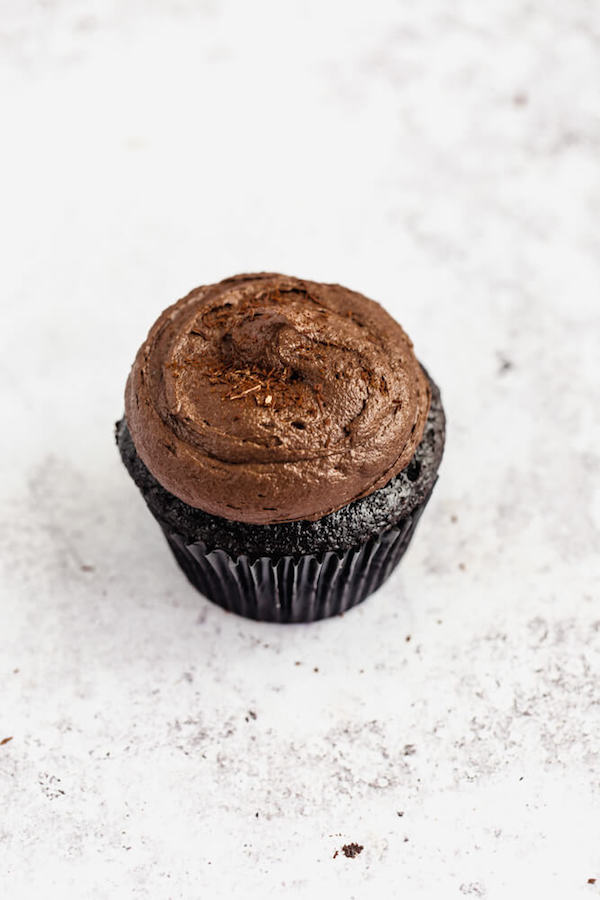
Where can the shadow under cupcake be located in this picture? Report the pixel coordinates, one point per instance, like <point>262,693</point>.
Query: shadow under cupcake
<point>286,439</point>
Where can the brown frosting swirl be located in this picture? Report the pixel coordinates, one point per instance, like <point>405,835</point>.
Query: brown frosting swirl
<point>266,398</point>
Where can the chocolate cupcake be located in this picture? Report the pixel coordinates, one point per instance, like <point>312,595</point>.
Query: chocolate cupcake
<point>286,439</point>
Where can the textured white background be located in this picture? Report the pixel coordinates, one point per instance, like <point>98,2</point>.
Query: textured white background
<point>442,158</point>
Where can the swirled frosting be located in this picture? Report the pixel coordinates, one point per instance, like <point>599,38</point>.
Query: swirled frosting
<point>266,398</point>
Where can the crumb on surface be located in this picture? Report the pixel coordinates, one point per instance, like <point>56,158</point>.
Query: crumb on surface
<point>351,850</point>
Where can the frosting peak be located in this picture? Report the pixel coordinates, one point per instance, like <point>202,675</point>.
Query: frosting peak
<point>265,398</point>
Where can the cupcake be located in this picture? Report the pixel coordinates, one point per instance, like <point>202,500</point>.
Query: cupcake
<point>286,439</point>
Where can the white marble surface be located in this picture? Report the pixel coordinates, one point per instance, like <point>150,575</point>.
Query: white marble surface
<point>443,158</point>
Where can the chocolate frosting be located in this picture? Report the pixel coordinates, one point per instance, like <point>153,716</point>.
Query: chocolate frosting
<point>266,398</point>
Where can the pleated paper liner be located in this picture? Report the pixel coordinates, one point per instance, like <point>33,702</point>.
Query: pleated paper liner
<point>294,589</point>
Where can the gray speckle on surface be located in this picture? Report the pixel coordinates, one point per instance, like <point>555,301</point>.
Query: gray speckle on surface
<point>444,161</point>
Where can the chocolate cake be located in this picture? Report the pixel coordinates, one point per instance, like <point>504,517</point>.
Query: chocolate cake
<point>286,438</point>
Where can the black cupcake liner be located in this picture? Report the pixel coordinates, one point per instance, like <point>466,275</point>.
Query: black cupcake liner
<point>289,589</point>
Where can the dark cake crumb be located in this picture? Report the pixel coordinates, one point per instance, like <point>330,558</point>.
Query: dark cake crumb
<point>352,850</point>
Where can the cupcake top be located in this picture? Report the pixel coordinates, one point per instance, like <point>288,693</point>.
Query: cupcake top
<point>266,398</point>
